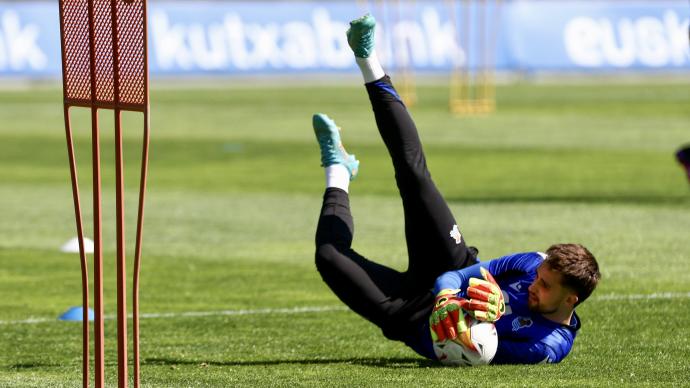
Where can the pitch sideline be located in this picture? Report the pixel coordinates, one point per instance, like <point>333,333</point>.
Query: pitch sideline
<point>321,309</point>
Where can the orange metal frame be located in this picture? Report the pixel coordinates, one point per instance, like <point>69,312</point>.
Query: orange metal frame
<point>105,66</point>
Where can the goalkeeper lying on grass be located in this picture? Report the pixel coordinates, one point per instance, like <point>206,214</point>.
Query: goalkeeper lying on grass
<point>533,296</point>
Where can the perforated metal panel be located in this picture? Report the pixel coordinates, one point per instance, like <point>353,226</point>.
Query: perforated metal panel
<point>131,51</point>
<point>103,32</point>
<point>75,46</point>
<point>119,53</point>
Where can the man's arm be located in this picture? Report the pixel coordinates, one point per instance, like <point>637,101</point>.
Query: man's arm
<point>458,279</point>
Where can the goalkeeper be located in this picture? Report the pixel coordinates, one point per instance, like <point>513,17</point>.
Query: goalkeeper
<point>533,296</point>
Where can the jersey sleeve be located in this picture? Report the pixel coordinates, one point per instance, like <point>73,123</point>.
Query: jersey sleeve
<point>550,347</point>
<point>518,262</point>
<point>513,352</point>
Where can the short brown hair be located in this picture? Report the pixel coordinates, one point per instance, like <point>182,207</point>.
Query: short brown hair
<point>578,267</point>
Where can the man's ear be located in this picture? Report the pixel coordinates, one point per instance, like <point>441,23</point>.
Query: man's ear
<point>572,299</point>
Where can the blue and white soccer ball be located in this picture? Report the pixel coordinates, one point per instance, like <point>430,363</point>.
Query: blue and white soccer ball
<point>476,347</point>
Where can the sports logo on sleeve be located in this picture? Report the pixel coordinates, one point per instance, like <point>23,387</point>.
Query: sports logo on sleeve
<point>455,234</point>
<point>521,323</point>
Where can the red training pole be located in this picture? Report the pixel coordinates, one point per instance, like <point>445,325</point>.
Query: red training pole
<point>105,66</point>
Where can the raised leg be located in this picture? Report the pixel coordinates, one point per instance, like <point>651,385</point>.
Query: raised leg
<point>434,241</point>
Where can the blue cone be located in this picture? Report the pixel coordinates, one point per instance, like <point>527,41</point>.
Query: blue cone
<point>75,314</point>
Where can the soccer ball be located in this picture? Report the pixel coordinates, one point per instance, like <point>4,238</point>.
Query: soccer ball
<point>477,346</point>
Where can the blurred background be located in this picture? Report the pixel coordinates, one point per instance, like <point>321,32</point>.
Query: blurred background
<point>543,122</point>
<point>520,39</point>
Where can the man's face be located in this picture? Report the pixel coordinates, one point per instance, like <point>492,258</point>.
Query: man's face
<point>547,294</point>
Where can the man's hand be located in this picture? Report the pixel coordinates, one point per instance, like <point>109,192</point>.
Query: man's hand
<point>486,299</point>
<point>447,320</point>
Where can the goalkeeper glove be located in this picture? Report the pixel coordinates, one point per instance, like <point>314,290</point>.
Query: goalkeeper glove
<point>486,298</point>
<point>447,320</point>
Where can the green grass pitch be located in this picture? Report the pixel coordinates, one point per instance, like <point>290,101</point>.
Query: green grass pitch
<point>234,193</point>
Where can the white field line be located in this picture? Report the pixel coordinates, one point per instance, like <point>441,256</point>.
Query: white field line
<point>315,309</point>
<point>294,310</point>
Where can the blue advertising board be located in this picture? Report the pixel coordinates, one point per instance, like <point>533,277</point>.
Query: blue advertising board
<point>604,35</point>
<point>257,37</point>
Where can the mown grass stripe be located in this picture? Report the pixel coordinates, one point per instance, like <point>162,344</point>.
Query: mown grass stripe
<point>321,309</point>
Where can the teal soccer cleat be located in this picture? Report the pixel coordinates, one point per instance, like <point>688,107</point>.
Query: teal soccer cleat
<point>332,150</point>
<point>360,36</point>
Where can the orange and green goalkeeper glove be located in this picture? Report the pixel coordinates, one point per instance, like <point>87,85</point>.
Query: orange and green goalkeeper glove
<point>447,320</point>
<point>486,298</point>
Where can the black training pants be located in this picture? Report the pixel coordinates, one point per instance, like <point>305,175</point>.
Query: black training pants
<point>394,301</point>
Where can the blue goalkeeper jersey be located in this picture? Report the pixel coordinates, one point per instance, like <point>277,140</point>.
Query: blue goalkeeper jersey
<point>524,337</point>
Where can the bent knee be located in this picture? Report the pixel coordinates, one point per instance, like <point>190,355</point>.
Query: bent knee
<point>326,255</point>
